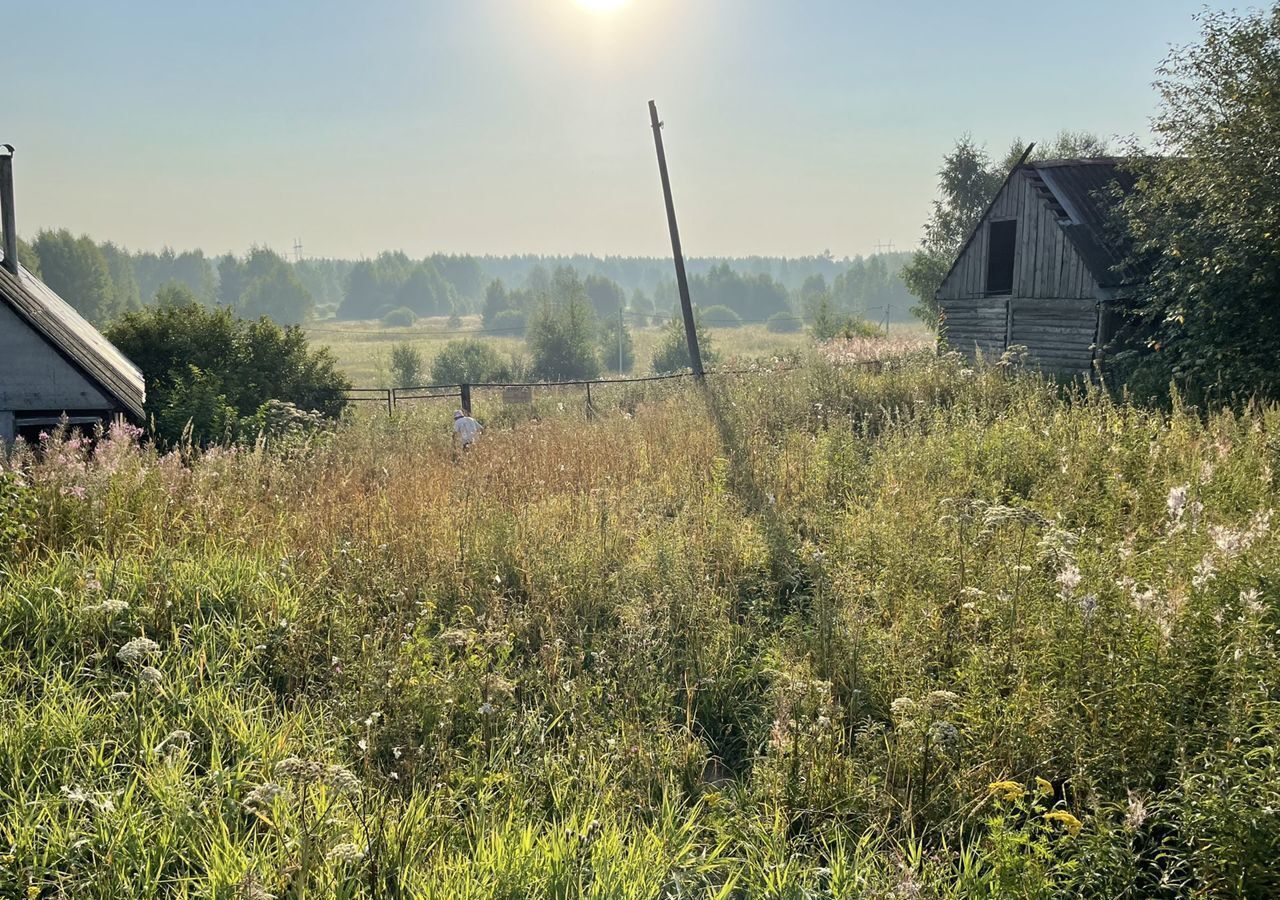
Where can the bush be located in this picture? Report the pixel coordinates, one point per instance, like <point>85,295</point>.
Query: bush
<point>721,317</point>
<point>406,366</point>
<point>829,323</point>
<point>206,369</point>
<point>508,321</point>
<point>469,361</point>
<point>401,317</point>
<point>784,323</point>
<point>672,352</point>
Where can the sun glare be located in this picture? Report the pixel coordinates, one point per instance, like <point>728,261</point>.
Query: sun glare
<point>603,6</point>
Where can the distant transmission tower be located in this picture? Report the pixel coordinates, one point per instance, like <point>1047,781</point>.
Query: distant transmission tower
<point>297,249</point>
<point>882,247</point>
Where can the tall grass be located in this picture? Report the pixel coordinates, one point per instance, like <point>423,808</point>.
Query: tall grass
<point>924,632</point>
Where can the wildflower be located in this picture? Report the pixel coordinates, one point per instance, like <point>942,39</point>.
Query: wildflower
<point>903,709</point>
<point>1088,606</point>
<point>109,608</point>
<point>1008,791</point>
<point>92,584</point>
<point>1136,814</point>
<point>263,795</point>
<point>348,854</point>
<point>341,780</point>
<point>1069,579</point>
<point>486,709</point>
<point>941,701</point>
<point>1066,820</point>
<point>119,696</point>
<point>76,491</point>
<point>1177,501</point>
<point>1043,787</point>
<point>173,741</point>
<point>292,768</point>
<point>945,734</point>
<point>1204,573</point>
<point>138,650</point>
<point>151,676</point>
<point>1252,605</point>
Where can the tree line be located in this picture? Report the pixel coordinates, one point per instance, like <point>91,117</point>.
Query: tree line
<point>105,281</point>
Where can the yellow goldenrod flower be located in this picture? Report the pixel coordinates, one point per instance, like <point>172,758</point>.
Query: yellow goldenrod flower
<point>1009,791</point>
<point>1065,819</point>
<point>1043,788</point>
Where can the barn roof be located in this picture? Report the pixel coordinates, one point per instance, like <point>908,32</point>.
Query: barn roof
<point>1085,198</point>
<point>82,345</point>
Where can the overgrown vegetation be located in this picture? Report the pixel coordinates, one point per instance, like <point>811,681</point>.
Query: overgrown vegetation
<point>932,632</point>
<point>209,373</point>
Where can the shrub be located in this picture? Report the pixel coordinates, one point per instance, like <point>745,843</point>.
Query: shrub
<point>406,366</point>
<point>784,323</point>
<point>508,321</point>
<point>205,368</point>
<point>672,352</point>
<point>469,361</point>
<point>721,317</point>
<point>401,317</point>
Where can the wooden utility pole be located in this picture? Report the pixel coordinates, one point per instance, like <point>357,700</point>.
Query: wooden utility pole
<point>682,280</point>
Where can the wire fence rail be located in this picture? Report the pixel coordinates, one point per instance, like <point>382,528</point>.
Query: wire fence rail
<point>523,392</point>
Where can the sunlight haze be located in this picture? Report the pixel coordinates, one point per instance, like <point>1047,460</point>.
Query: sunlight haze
<point>510,126</point>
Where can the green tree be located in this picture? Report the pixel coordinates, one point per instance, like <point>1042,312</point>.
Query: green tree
<point>966,182</point>
<point>124,284</point>
<point>469,361</point>
<point>425,292</point>
<point>1204,220</point>
<point>562,331</point>
<point>607,296</point>
<point>77,271</point>
<point>28,257</point>
<point>672,353</point>
<point>616,347</point>
<point>407,366</point>
<point>200,362</point>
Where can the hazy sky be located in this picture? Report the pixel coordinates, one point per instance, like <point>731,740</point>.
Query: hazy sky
<point>511,126</point>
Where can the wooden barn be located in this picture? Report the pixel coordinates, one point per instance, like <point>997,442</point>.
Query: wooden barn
<point>1038,270</point>
<point>54,365</point>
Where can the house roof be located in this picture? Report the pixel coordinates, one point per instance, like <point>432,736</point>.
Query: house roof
<point>1084,190</point>
<point>82,345</point>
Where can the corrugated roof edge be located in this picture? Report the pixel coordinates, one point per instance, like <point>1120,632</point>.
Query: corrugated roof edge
<point>82,345</point>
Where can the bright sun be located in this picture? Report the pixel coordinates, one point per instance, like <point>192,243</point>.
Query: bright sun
<point>603,6</point>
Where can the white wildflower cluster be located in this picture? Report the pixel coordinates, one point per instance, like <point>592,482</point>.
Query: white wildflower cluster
<point>1233,542</point>
<point>109,608</point>
<point>347,854</point>
<point>302,771</point>
<point>83,800</point>
<point>262,796</point>
<point>138,651</point>
<point>151,676</point>
<point>1181,506</point>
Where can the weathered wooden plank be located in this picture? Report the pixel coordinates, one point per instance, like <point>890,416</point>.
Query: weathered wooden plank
<point>1053,303</point>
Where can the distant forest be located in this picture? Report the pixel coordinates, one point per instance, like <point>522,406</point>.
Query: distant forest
<point>104,281</point>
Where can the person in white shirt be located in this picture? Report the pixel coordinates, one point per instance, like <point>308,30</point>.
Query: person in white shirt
<point>466,430</point>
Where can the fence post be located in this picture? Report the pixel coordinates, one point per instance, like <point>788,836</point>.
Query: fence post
<point>391,401</point>
<point>591,412</point>
<point>464,391</point>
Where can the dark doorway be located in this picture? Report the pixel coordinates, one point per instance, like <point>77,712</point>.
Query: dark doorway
<point>1002,238</point>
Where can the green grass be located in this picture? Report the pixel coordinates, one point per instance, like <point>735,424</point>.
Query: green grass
<point>929,632</point>
<point>363,349</point>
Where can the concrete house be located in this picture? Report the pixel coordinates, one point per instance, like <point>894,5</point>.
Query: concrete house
<point>1038,270</point>
<point>53,363</point>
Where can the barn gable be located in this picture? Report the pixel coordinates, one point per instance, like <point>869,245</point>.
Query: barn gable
<point>1036,269</point>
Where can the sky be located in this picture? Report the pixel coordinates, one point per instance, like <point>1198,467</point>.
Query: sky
<point>793,127</point>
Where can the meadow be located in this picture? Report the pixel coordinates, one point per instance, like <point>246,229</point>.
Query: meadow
<point>930,631</point>
<point>363,348</point>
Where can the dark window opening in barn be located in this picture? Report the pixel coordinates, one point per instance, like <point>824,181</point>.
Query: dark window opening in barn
<point>1003,238</point>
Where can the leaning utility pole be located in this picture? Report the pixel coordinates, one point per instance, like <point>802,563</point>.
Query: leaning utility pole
<point>682,280</point>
